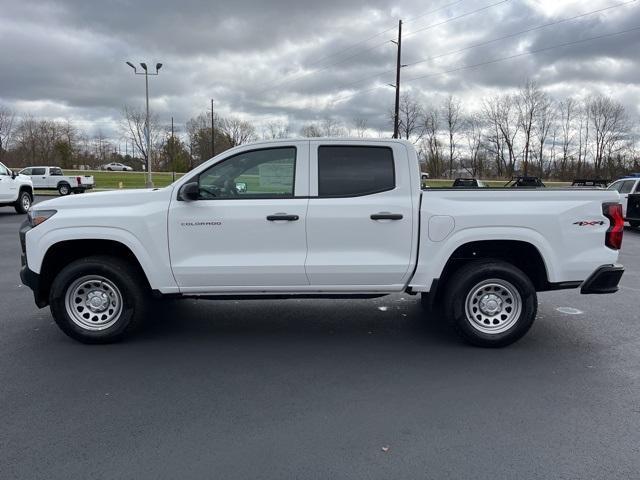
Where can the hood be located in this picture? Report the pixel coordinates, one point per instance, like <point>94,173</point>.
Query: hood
<point>113,198</point>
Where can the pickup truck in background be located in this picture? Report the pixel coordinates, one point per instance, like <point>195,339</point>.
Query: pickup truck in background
<point>327,218</point>
<point>633,210</point>
<point>53,178</point>
<point>15,190</point>
<point>625,187</point>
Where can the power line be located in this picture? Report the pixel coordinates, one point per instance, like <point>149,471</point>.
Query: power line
<point>522,32</point>
<point>351,47</point>
<point>523,54</point>
<point>449,20</point>
<point>488,42</point>
<point>495,60</point>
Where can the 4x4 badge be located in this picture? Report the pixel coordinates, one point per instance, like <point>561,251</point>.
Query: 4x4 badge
<point>589,224</point>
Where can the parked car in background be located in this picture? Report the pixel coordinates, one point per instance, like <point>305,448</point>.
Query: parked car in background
<point>468,183</point>
<point>53,178</point>
<point>116,167</point>
<point>525,182</point>
<point>15,190</point>
<point>590,183</point>
<point>328,218</point>
<point>633,210</point>
<point>624,187</point>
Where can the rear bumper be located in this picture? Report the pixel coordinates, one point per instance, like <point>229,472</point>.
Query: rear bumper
<point>604,280</point>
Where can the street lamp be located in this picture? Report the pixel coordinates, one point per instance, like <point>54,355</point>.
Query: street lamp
<point>147,132</point>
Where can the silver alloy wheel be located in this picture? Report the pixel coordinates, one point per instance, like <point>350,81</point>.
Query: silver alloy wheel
<point>64,189</point>
<point>93,302</point>
<point>26,201</point>
<point>493,306</point>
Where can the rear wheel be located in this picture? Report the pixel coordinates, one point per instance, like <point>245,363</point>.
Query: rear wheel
<point>24,202</point>
<point>634,223</point>
<point>64,189</point>
<point>491,303</point>
<point>98,299</point>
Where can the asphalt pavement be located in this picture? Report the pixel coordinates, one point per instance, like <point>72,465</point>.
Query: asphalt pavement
<point>320,389</point>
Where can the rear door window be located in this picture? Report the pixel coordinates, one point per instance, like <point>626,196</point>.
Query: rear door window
<point>627,186</point>
<point>350,171</point>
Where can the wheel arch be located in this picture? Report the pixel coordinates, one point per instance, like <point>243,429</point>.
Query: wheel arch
<point>61,253</point>
<point>522,254</point>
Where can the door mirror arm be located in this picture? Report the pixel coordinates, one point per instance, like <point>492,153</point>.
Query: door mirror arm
<point>189,192</point>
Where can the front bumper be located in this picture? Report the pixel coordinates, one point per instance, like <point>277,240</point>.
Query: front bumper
<point>30,278</point>
<point>604,280</point>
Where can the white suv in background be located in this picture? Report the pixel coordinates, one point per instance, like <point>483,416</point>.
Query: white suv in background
<point>15,190</point>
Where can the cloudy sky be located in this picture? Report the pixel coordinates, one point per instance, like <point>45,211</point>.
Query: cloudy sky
<point>270,60</point>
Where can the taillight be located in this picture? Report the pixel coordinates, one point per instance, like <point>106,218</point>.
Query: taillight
<point>613,237</point>
<point>79,180</point>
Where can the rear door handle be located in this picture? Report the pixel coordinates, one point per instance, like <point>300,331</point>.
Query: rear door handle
<point>282,216</point>
<point>386,216</point>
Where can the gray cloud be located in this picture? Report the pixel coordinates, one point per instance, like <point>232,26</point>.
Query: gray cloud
<point>272,60</point>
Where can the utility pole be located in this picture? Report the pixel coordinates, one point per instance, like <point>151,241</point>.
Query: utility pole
<point>396,116</point>
<point>213,142</point>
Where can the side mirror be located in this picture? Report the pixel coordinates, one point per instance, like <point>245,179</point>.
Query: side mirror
<point>241,187</point>
<point>189,192</point>
<point>14,174</point>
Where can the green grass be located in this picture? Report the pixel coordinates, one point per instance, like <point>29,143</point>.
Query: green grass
<point>115,180</point>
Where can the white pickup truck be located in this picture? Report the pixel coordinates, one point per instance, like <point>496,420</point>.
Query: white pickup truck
<point>319,218</point>
<point>15,190</point>
<point>53,178</point>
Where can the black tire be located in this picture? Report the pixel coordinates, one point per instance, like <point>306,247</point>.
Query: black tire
<point>479,327</point>
<point>25,200</point>
<point>64,189</point>
<point>109,169</point>
<point>129,284</point>
<point>634,223</point>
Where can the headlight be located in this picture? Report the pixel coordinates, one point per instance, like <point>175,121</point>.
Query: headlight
<point>36,217</point>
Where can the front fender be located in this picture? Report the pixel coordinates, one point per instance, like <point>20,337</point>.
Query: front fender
<point>157,271</point>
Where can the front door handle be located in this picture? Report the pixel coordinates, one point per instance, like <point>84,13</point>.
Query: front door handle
<point>282,216</point>
<point>386,216</point>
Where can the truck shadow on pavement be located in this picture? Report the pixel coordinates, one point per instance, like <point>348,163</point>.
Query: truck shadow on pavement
<point>386,317</point>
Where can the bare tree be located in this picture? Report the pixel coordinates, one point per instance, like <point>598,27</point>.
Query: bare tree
<point>411,119</point>
<point>544,119</point>
<point>501,113</point>
<point>237,131</point>
<point>277,129</point>
<point>567,110</point>
<point>609,122</point>
<point>133,128</point>
<point>451,114</point>
<point>7,117</point>
<point>474,134</point>
<point>311,130</point>
<point>431,144</point>
<point>331,127</point>
<point>529,101</point>
<point>360,127</point>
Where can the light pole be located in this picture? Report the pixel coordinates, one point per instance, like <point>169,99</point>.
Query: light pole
<point>147,132</point>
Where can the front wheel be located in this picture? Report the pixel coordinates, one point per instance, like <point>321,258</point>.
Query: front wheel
<point>64,189</point>
<point>24,202</point>
<point>98,299</point>
<point>491,303</point>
